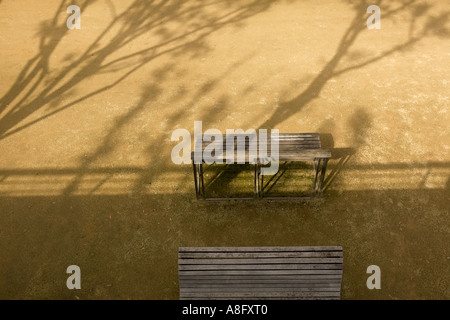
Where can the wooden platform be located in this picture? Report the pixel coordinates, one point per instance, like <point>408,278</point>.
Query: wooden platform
<point>248,273</point>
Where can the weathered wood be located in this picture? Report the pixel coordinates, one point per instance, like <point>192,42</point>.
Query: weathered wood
<point>259,255</point>
<point>257,272</point>
<point>261,249</point>
<point>282,155</point>
<point>261,283</point>
<point>258,290</point>
<point>321,266</point>
<point>244,149</point>
<point>252,277</point>
<point>266,298</point>
<point>259,287</point>
<point>260,272</point>
<point>262,295</point>
<point>255,280</point>
<point>261,261</point>
<point>296,144</point>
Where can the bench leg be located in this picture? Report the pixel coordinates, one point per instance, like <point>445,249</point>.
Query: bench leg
<point>322,175</point>
<point>201,180</point>
<point>198,180</point>
<point>261,189</point>
<point>258,191</point>
<point>256,180</point>
<point>316,173</point>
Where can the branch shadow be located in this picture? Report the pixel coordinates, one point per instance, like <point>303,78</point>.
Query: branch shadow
<point>33,88</point>
<point>435,26</point>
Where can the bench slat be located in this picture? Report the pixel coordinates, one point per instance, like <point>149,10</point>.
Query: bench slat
<point>267,279</point>
<point>280,135</point>
<point>261,249</point>
<point>269,143</point>
<point>294,142</point>
<point>257,272</point>
<point>294,254</point>
<point>254,278</point>
<point>258,290</point>
<point>262,261</point>
<point>261,283</point>
<point>208,140</point>
<point>321,266</point>
<point>261,295</point>
<point>292,297</point>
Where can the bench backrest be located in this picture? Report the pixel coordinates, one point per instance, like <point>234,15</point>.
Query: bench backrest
<point>260,272</point>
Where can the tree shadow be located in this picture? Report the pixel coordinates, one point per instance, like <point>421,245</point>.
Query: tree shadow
<point>435,26</point>
<point>34,88</point>
<point>107,145</point>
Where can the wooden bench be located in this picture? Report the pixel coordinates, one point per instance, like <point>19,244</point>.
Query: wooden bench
<point>293,147</point>
<point>248,273</point>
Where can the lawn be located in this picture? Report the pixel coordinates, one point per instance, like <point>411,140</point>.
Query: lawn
<point>87,115</point>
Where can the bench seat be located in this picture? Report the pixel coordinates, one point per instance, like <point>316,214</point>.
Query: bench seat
<point>291,147</point>
<point>248,273</point>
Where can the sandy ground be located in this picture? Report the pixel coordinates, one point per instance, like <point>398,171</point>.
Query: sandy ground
<point>86,118</point>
